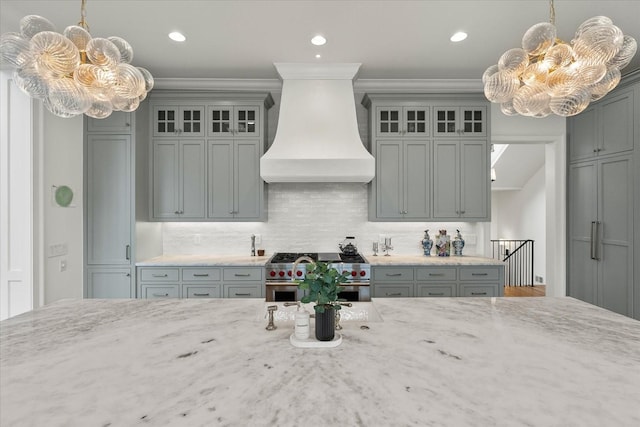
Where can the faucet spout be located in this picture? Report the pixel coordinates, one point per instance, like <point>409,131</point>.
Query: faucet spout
<point>298,261</point>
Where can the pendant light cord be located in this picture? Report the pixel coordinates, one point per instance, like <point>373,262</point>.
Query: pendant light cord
<point>83,16</point>
<point>552,13</point>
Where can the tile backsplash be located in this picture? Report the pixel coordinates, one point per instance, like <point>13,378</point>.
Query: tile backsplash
<point>310,217</point>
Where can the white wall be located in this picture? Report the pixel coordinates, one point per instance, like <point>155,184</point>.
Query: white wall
<point>521,214</point>
<point>63,148</point>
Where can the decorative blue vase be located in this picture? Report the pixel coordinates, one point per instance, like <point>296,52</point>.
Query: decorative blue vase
<point>458,244</point>
<point>427,243</point>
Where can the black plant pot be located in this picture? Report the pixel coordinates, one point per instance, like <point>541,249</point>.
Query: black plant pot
<point>326,324</point>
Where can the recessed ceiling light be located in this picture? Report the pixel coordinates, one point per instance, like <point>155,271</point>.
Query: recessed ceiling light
<point>318,40</point>
<point>177,37</point>
<point>459,36</point>
<point>318,55</point>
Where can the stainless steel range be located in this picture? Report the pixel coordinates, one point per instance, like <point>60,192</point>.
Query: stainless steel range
<point>279,270</point>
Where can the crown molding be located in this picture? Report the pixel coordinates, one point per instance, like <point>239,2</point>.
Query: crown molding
<point>274,85</point>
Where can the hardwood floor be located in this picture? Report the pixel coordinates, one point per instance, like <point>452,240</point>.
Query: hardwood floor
<point>525,291</point>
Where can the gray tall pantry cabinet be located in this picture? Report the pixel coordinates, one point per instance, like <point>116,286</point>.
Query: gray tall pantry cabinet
<point>109,202</point>
<point>205,151</point>
<point>603,202</point>
<point>432,157</point>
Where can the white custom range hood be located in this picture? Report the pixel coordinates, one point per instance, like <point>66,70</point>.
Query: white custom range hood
<point>317,139</point>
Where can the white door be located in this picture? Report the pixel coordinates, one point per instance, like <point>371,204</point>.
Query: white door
<point>16,196</point>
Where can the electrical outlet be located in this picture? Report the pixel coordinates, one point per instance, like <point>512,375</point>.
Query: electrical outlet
<point>58,250</point>
<point>63,265</point>
<point>539,279</point>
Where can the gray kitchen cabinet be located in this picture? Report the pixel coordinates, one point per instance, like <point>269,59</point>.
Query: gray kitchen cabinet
<point>603,210</point>
<point>403,180</point>
<point>236,191</point>
<point>178,120</point>
<point>109,207</point>
<point>179,179</point>
<point>402,121</point>
<point>461,180</point>
<point>437,281</point>
<point>600,237</point>
<point>200,282</point>
<point>460,121</point>
<point>224,120</point>
<point>605,128</point>
<point>109,282</point>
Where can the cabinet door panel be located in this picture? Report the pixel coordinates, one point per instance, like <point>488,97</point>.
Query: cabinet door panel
<point>389,180</point>
<point>446,121</point>
<point>389,121</point>
<point>118,121</point>
<point>247,179</point>
<point>191,121</point>
<point>617,124</point>
<point>109,202</point>
<point>475,180</point>
<point>246,121</point>
<point>109,283</point>
<point>417,180</point>
<point>165,120</point>
<point>165,179</point>
<point>192,183</point>
<point>445,180</point>
<point>583,137</point>
<point>416,121</point>
<point>221,179</point>
<point>220,121</point>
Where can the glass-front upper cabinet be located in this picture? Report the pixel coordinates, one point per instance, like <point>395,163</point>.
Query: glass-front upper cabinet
<point>178,120</point>
<point>233,121</point>
<point>402,121</point>
<point>460,121</point>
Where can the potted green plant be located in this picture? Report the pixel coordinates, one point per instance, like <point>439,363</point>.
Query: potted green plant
<point>322,283</point>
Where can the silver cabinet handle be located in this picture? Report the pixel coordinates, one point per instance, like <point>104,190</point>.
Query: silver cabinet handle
<point>242,295</point>
<point>201,295</point>
<point>160,275</point>
<point>128,274</point>
<point>177,212</point>
<point>478,293</point>
<point>436,274</point>
<point>479,274</point>
<point>127,252</point>
<point>594,240</point>
<point>436,294</point>
<point>200,274</point>
<point>160,295</point>
<point>242,274</point>
<point>393,274</point>
<point>395,294</point>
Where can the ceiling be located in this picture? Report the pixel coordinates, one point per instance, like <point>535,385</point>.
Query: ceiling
<point>392,39</point>
<point>517,165</point>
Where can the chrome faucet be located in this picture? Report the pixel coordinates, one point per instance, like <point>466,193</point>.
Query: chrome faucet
<point>253,245</point>
<point>298,261</point>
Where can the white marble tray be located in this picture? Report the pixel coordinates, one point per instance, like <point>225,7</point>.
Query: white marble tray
<point>314,343</point>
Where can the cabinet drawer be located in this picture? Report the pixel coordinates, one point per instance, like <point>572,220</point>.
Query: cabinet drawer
<point>200,274</point>
<point>159,274</point>
<point>436,274</point>
<point>393,291</point>
<point>393,274</point>
<point>160,291</point>
<point>480,273</point>
<point>435,291</point>
<point>468,290</point>
<point>242,274</point>
<point>243,291</point>
<point>199,291</point>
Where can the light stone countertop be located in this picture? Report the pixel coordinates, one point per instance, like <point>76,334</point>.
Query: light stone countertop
<point>421,260</point>
<point>431,361</point>
<point>205,261</point>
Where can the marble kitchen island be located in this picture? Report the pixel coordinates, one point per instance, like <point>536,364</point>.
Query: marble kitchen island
<point>430,361</point>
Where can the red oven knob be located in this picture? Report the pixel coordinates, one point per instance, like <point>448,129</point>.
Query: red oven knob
<point>354,273</point>
<point>272,274</point>
<point>281,273</point>
<point>298,273</point>
<point>289,273</point>
<point>363,273</point>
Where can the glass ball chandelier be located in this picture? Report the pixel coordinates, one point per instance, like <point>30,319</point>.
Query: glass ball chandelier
<point>72,72</point>
<point>548,75</point>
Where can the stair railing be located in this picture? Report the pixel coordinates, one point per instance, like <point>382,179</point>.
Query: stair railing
<point>518,256</point>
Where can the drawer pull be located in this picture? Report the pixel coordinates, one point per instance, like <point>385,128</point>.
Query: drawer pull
<point>201,295</point>
<point>479,274</point>
<point>160,275</point>
<point>393,274</point>
<point>243,294</point>
<point>242,274</point>
<point>395,294</point>
<point>436,294</point>
<point>200,274</point>
<point>436,274</point>
<point>160,295</point>
<point>478,293</point>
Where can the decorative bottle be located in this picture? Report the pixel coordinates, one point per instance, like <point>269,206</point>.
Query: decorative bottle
<point>301,330</point>
<point>427,243</point>
<point>443,243</point>
<point>458,244</point>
